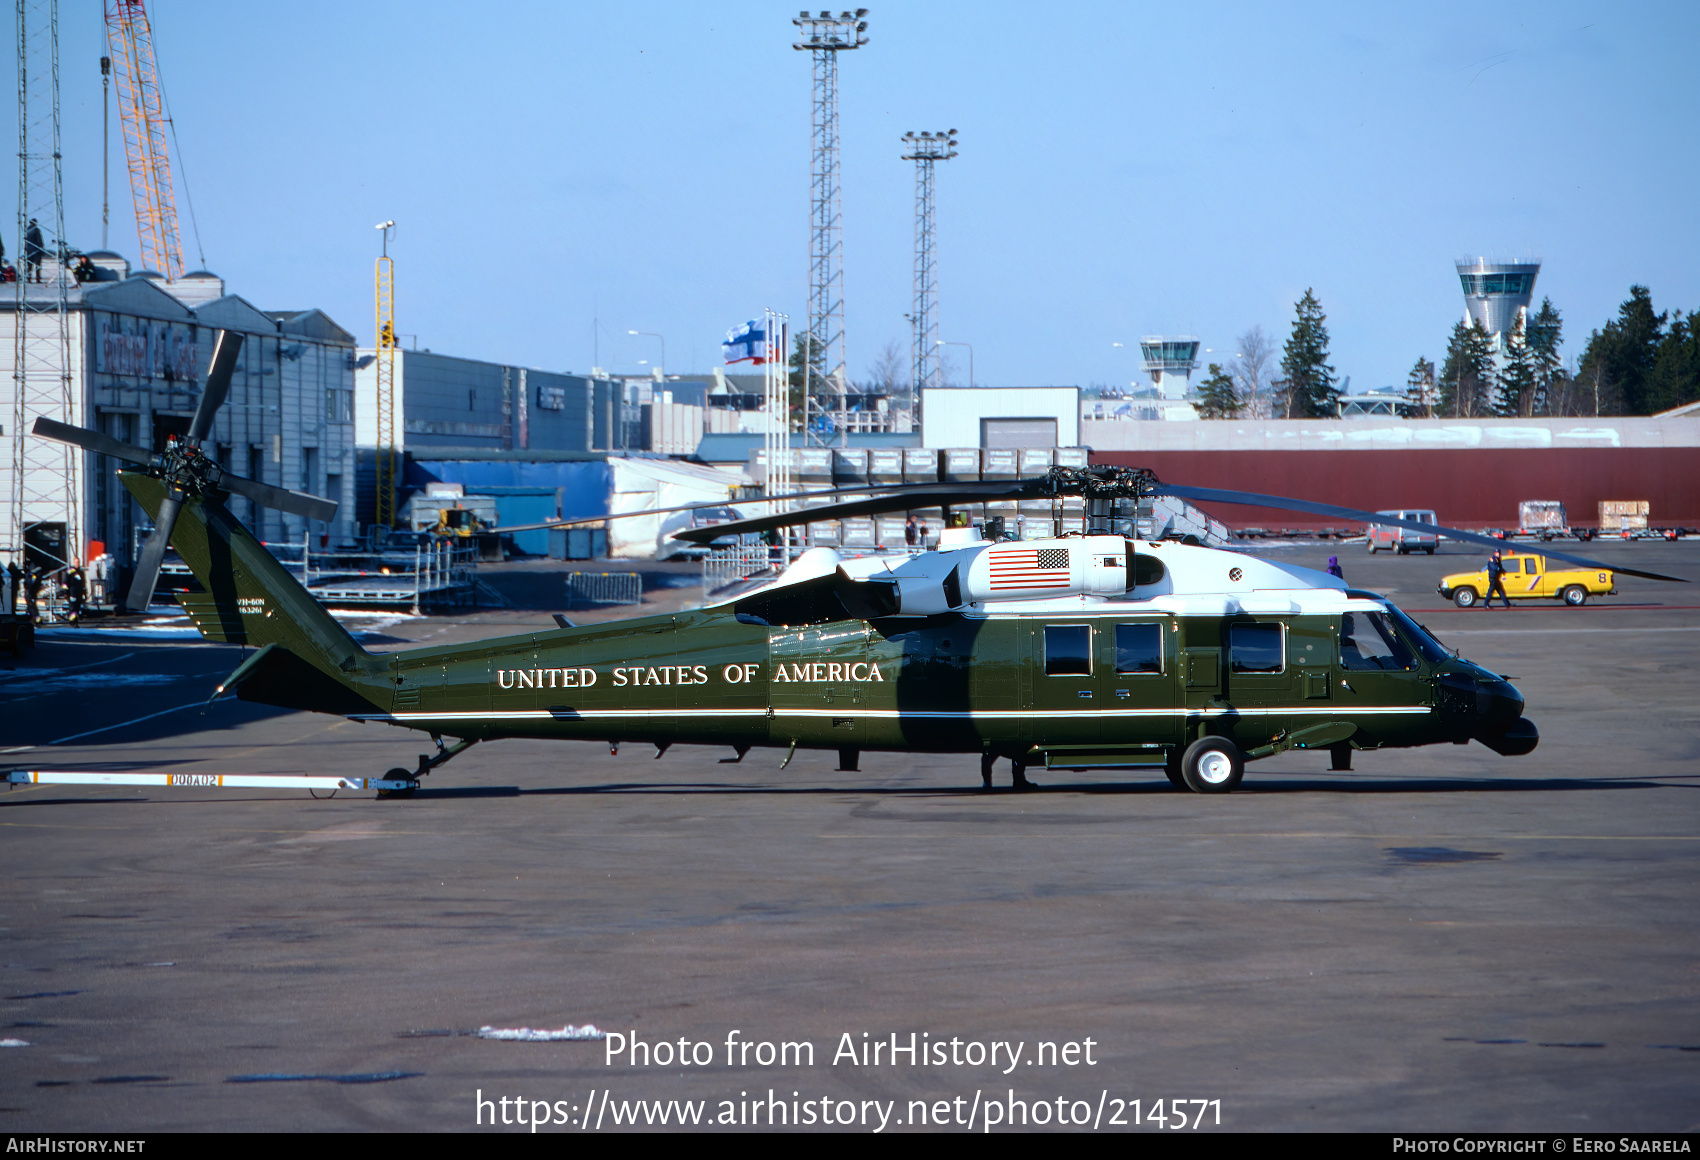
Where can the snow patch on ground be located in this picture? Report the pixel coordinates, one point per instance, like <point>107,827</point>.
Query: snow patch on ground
<point>531,1035</point>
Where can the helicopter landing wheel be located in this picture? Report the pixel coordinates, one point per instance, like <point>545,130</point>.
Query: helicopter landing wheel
<point>1213,765</point>
<point>397,775</point>
<point>1464,598</point>
<point>1172,769</point>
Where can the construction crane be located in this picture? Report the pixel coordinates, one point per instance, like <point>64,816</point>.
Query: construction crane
<point>383,277</point>
<point>141,110</point>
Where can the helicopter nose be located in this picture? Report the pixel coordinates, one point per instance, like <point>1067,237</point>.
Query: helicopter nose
<point>1478,703</point>
<point>1501,725</point>
<point>1498,704</point>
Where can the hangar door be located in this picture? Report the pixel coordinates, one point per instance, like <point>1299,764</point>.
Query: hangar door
<point>1018,433</point>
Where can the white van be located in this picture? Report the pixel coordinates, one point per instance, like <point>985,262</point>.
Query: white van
<point>1402,540</point>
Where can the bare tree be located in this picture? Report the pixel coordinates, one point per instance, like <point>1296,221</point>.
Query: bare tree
<point>1251,373</point>
<point>889,373</point>
<point>950,374</point>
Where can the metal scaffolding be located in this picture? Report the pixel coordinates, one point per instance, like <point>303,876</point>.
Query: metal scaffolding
<point>44,488</point>
<point>923,150</point>
<point>825,363</point>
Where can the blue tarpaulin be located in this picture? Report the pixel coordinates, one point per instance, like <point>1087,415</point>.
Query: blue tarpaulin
<point>524,489</point>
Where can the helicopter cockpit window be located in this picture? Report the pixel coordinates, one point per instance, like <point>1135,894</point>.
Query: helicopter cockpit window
<point>1139,648</point>
<point>1068,650</point>
<point>1367,641</point>
<point>1254,648</point>
<point>1415,634</point>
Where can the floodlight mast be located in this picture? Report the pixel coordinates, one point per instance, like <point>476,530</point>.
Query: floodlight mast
<point>924,149</point>
<point>825,36</point>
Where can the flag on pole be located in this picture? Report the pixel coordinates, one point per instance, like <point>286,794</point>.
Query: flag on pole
<point>745,344</point>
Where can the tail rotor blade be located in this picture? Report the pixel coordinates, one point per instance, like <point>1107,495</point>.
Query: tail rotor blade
<point>90,440</point>
<point>153,555</point>
<point>297,503</point>
<point>225,352</point>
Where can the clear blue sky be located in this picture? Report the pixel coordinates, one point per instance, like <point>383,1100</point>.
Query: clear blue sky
<point>1125,169</point>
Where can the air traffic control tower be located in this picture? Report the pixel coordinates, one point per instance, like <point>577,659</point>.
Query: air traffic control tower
<point>1170,363</point>
<point>1495,293</point>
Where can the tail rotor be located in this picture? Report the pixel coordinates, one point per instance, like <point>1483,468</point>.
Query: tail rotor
<point>187,471</point>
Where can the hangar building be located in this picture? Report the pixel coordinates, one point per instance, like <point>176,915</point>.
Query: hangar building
<point>140,347</point>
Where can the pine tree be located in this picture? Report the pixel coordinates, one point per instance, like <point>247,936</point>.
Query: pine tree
<point>1620,355</point>
<point>1546,335</point>
<point>1675,379</point>
<point>1218,398</point>
<point>1311,390</point>
<point>1514,392</point>
<point>815,383</point>
<point>1419,390</point>
<point>1466,379</point>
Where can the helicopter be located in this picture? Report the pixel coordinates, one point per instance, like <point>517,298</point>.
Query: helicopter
<point>1086,651</point>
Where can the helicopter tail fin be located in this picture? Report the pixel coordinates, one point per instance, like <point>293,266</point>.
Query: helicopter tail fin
<point>249,598</point>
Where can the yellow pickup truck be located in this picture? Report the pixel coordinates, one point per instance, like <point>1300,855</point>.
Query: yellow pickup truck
<point>1529,578</point>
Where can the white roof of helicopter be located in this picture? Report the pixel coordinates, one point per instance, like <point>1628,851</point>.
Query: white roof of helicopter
<point>1196,580</point>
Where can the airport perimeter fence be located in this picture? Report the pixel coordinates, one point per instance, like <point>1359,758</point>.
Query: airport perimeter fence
<point>444,571</point>
<point>604,588</point>
<point>727,566</point>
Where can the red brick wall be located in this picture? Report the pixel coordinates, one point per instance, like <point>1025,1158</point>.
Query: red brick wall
<point>1465,488</point>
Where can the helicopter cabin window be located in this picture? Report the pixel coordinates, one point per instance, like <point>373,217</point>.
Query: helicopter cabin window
<point>1139,648</point>
<point>1367,641</point>
<point>1068,650</point>
<point>1254,648</point>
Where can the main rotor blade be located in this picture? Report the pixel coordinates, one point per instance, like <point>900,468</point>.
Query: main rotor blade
<point>225,352</point>
<point>921,496</point>
<point>1253,499</point>
<point>153,554</point>
<point>91,441</point>
<point>896,489</point>
<point>297,503</point>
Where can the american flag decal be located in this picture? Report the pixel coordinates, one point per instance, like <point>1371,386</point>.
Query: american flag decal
<point>1029,568</point>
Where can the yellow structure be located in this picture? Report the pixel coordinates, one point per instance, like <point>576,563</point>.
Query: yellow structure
<point>142,113</point>
<point>384,513</point>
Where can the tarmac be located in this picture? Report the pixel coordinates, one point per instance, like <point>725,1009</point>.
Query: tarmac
<point>1441,940</point>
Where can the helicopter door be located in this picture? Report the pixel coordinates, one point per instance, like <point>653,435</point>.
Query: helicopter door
<point>1259,675</point>
<point>1066,683</point>
<point>1139,659</point>
<point>814,688</point>
<point>1376,666</point>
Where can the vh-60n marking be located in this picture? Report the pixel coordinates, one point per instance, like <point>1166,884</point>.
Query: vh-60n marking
<point>1086,651</point>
